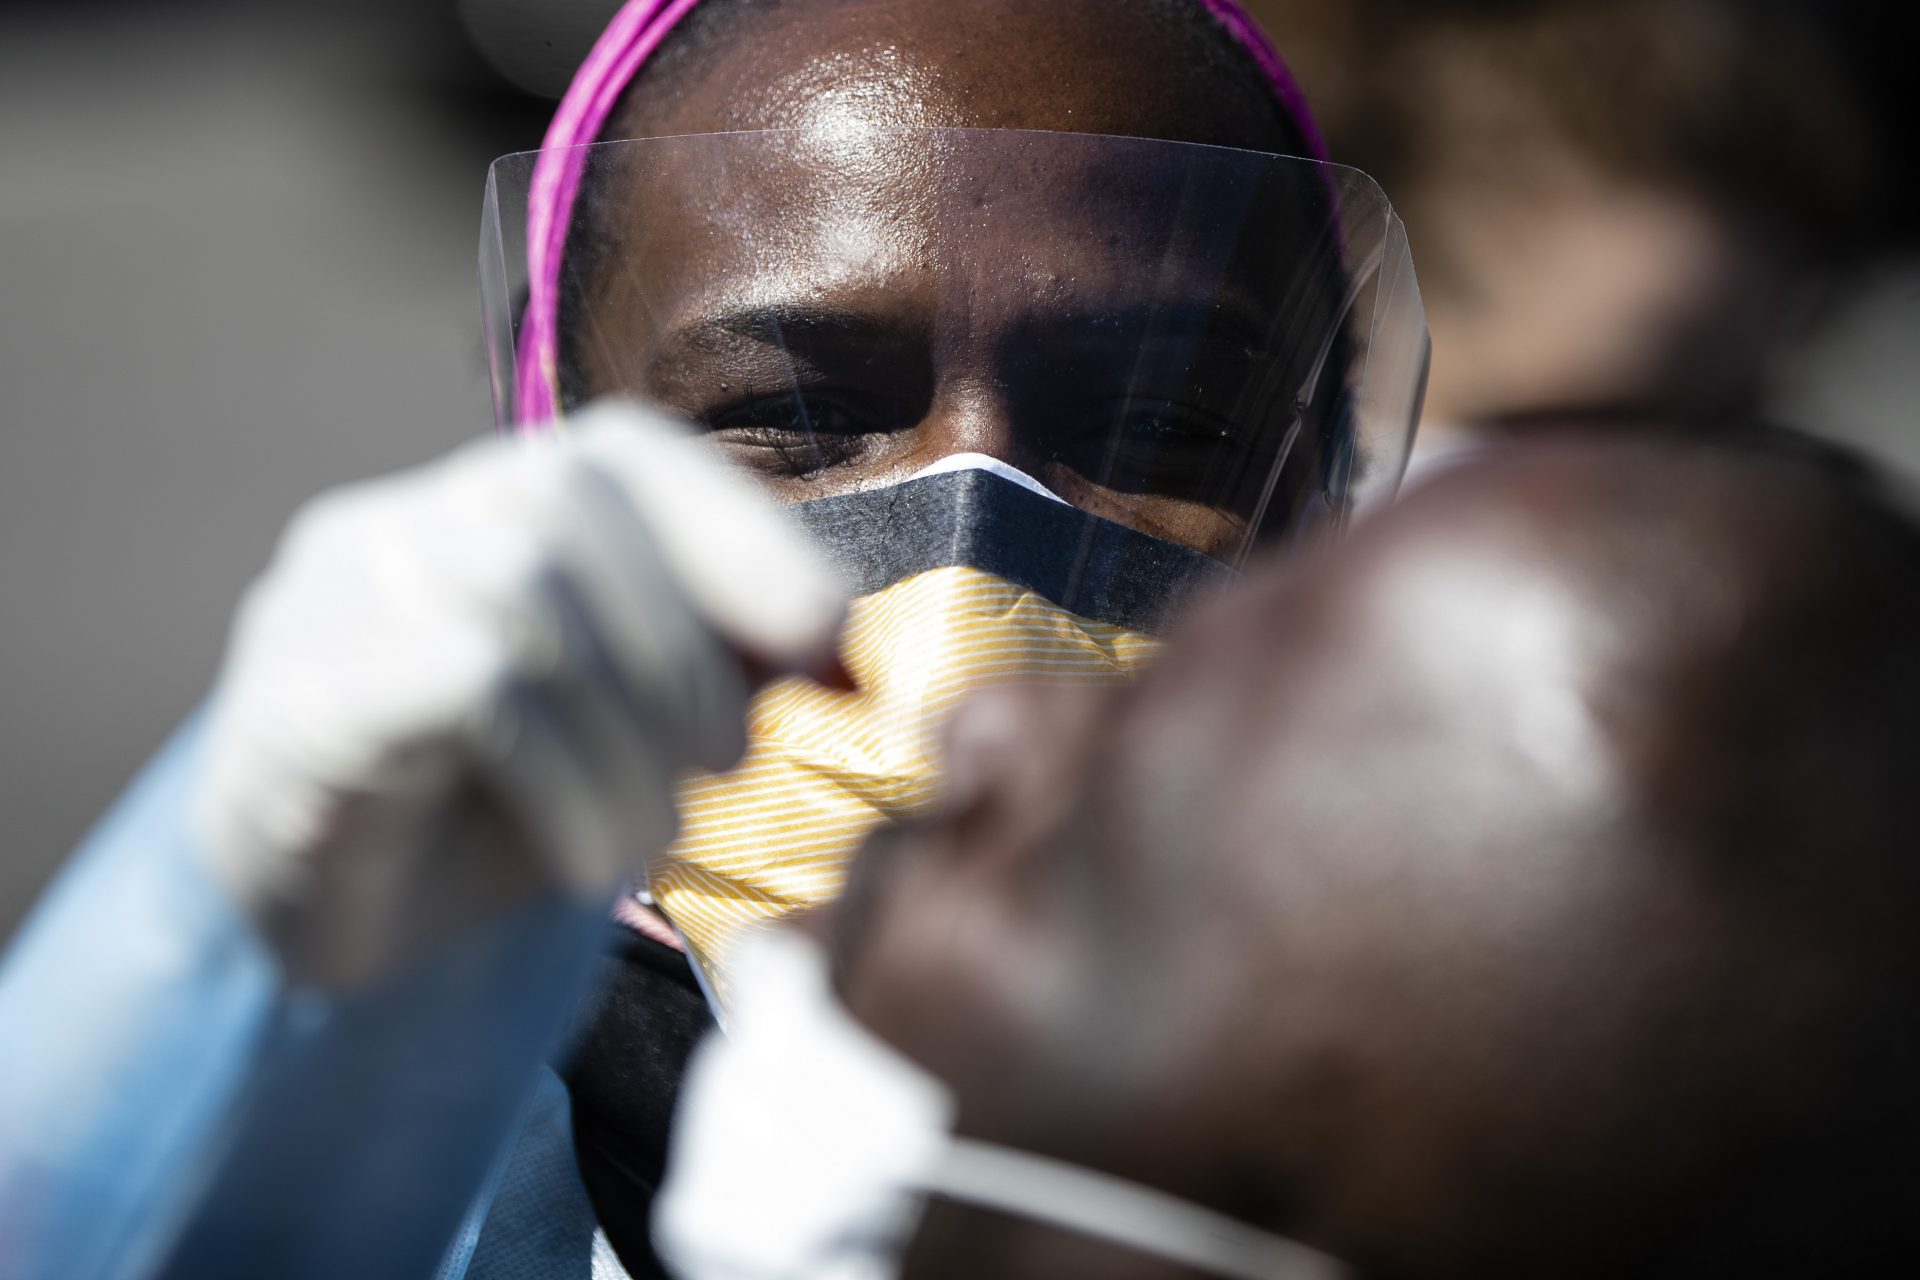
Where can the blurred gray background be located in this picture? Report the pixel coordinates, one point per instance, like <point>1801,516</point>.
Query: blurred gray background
<point>237,249</point>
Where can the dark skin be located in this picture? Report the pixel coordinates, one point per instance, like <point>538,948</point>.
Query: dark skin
<point>844,307</point>
<point>1518,890</point>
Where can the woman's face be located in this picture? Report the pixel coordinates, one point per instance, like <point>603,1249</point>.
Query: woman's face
<point>852,298</point>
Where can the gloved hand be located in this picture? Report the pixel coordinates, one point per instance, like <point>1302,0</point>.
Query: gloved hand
<point>455,686</point>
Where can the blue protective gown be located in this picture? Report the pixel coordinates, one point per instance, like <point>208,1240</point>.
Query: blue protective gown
<point>170,1106</point>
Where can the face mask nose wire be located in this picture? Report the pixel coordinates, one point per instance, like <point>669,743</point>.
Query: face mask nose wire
<point>1123,1213</point>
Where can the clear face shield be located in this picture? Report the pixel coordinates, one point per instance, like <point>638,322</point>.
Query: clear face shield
<point>1032,391</point>
<point>1202,343</point>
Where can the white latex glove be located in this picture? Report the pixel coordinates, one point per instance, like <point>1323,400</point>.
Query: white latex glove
<point>460,684</point>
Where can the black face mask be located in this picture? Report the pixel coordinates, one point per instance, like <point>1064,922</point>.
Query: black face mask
<point>1091,567</point>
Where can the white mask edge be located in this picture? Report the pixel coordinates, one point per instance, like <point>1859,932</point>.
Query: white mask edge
<point>992,466</point>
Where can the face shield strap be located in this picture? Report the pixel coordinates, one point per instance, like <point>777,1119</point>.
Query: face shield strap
<point>1089,566</point>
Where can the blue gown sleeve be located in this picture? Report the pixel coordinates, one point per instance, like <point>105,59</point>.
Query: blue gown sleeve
<point>170,1107</point>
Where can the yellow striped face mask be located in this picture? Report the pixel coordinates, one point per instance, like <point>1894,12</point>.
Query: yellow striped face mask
<point>968,575</point>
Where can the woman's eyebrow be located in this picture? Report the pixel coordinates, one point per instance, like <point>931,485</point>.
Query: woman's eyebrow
<point>781,324</point>
<point>775,339</point>
<point>809,332</point>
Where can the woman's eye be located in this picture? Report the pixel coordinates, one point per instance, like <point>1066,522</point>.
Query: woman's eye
<point>1146,428</point>
<point>1168,449</point>
<point>788,435</point>
<point>1163,426</point>
<point>776,415</point>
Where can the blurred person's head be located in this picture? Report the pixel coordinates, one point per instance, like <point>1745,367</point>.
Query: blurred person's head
<point>1524,887</point>
<point>1621,209</point>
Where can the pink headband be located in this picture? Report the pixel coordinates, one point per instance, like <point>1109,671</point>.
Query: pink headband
<point>629,40</point>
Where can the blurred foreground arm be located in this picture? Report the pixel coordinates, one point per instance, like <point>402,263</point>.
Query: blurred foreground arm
<point>279,1014</point>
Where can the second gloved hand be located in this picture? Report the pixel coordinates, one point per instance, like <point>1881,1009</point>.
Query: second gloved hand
<point>456,686</point>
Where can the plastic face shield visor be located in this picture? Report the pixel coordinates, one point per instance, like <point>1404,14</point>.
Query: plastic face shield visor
<point>1213,347</point>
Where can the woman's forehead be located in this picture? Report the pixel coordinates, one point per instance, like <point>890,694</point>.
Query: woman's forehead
<point>1136,68</point>
<point>910,226</point>
<point>863,217</point>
